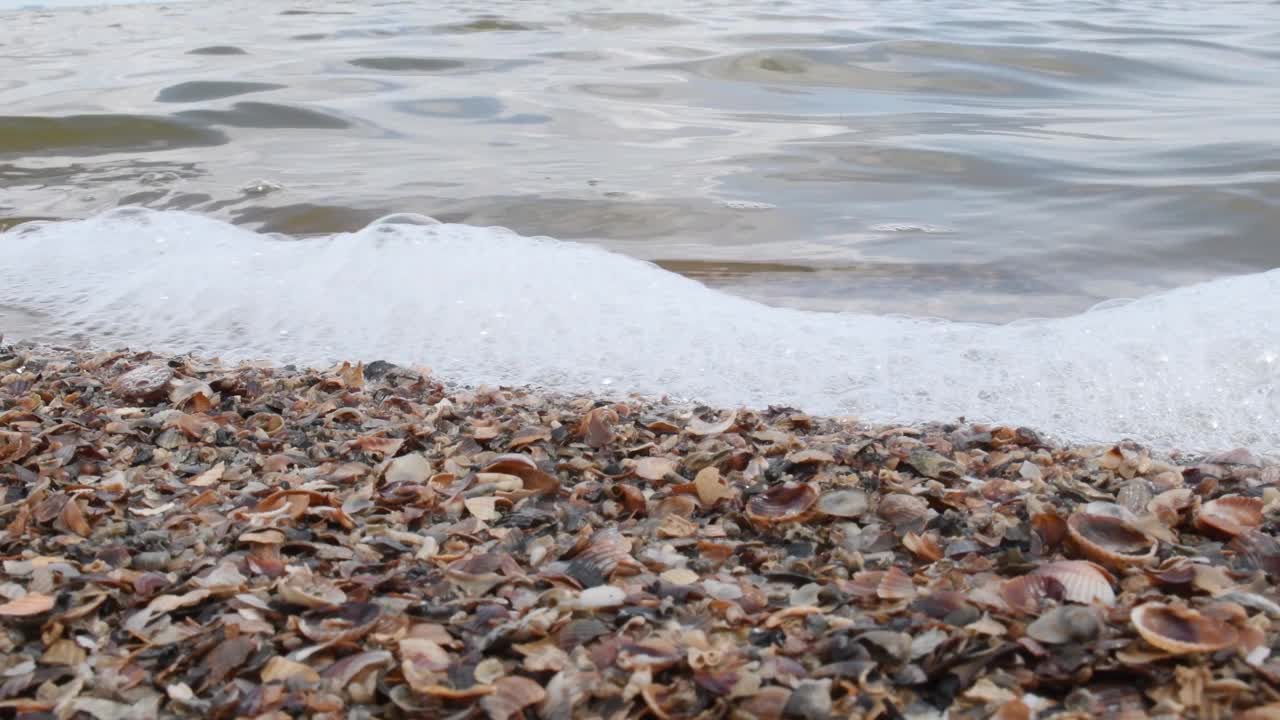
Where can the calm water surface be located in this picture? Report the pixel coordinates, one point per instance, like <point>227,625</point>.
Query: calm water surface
<point>970,160</point>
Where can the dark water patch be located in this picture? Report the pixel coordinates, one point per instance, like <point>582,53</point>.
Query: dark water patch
<point>198,90</point>
<point>489,24</point>
<point>267,116</point>
<point>409,64</point>
<point>576,55</point>
<point>82,135</point>
<point>218,50</point>
<point>310,37</point>
<point>619,91</point>
<point>315,12</point>
<point>627,20</point>
<point>8,223</point>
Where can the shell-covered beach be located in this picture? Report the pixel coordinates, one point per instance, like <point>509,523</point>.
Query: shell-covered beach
<point>184,538</point>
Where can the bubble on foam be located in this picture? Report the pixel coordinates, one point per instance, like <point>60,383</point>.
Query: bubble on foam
<point>1195,368</point>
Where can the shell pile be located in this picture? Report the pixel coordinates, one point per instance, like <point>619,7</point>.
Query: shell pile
<point>182,538</point>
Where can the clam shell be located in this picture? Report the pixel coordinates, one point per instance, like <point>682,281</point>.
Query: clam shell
<point>1259,550</point>
<point>1180,630</point>
<point>1082,581</point>
<point>1110,540</point>
<point>1230,515</point>
<point>303,588</point>
<point>782,503</point>
<point>348,622</point>
<point>843,503</point>
<point>905,512</point>
<point>924,546</point>
<point>606,551</point>
<point>523,467</point>
<point>511,695</point>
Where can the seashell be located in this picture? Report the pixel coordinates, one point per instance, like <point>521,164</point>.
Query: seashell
<point>599,597</point>
<point>1027,594</point>
<point>144,383</point>
<point>1230,515</point>
<point>1082,581</point>
<point>924,546</point>
<point>810,456</point>
<point>606,551</point>
<point>1135,495</point>
<point>1065,624</point>
<point>1258,550</point>
<point>1050,527</point>
<point>1180,630</point>
<point>843,503</point>
<point>511,695</point>
<point>348,622</point>
<point>712,488</point>
<point>767,704</point>
<point>905,512</point>
<point>576,633</point>
<point>702,428</point>
<point>782,503</point>
<point>654,468</point>
<point>28,605</point>
<point>411,469</point>
<point>1169,504</point>
<point>303,588</point>
<point>523,467</point>
<point>940,603</point>
<point>896,585</point>
<point>1110,540</point>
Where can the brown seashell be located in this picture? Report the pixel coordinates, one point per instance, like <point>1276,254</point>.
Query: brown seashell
<point>576,633</point>
<point>28,605</point>
<point>782,503</point>
<point>896,585</point>
<point>606,551</point>
<point>1169,504</point>
<point>1181,631</point>
<point>346,622</point>
<point>843,503</point>
<point>905,512</point>
<point>702,428</point>
<point>511,695</point>
<point>1110,540</point>
<point>810,456</point>
<point>144,383</point>
<point>1174,571</point>
<point>940,603</point>
<point>1051,528</point>
<point>1082,581</point>
<point>767,704</point>
<point>1026,594</point>
<point>1259,550</point>
<point>1066,624</point>
<point>1230,515</point>
<point>925,546</point>
<point>304,588</point>
<point>523,467</point>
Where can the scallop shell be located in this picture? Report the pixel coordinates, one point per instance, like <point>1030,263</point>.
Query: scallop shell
<point>303,588</point>
<point>523,467</point>
<point>27,605</point>
<point>1026,594</point>
<point>782,503</point>
<point>843,503</point>
<point>1082,581</point>
<point>1110,540</point>
<point>1230,515</point>
<point>606,551</point>
<point>511,695</point>
<point>1179,630</point>
<point>905,512</point>
<point>924,546</point>
<point>1174,571</point>
<point>896,585</point>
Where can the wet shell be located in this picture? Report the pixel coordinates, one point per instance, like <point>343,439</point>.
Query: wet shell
<point>905,512</point>
<point>1082,581</point>
<point>523,467</point>
<point>1259,550</point>
<point>511,695</point>
<point>1181,630</point>
<point>1110,540</point>
<point>1230,516</point>
<point>843,503</point>
<point>782,503</point>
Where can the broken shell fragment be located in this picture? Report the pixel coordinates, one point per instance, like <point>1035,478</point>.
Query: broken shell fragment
<point>1110,540</point>
<point>1230,516</point>
<point>782,503</point>
<point>1180,630</point>
<point>511,695</point>
<point>907,513</point>
<point>1070,623</point>
<point>843,503</point>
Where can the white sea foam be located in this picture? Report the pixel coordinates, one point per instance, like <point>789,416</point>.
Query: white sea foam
<point>1196,368</point>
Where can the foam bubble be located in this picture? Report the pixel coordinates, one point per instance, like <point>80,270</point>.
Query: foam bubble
<point>1196,368</point>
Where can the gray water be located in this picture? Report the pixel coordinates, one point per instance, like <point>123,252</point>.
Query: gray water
<point>969,160</point>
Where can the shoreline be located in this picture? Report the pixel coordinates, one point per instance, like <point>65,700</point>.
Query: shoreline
<point>186,538</point>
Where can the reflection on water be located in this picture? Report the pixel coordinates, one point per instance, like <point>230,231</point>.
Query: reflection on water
<point>981,161</point>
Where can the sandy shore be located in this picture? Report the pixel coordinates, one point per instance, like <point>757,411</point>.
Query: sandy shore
<point>186,539</point>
